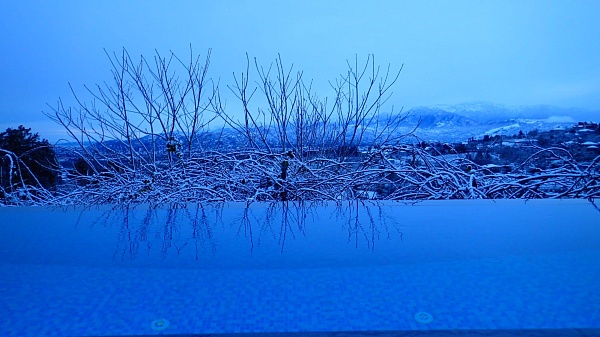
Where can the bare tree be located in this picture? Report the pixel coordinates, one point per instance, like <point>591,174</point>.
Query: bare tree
<point>148,119</point>
<point>304,132</point>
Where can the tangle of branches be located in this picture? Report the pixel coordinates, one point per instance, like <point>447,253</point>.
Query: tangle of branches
<point>145,139</point>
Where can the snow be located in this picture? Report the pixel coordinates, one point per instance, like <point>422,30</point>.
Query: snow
<point>502,129</point>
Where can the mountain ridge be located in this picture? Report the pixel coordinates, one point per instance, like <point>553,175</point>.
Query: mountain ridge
<point>475,119</point>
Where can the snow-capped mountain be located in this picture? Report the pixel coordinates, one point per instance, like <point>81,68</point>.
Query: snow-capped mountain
<point>434,117</point>
<point>459,122</point>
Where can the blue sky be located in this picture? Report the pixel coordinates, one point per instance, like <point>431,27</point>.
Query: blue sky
<point>506,52</point>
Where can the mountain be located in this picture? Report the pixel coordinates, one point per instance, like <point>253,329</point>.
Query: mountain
<point>434,117</point>
<point>482,111</point>
<point>454,123</point>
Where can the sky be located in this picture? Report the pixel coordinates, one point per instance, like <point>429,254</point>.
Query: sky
<point>505,52</point>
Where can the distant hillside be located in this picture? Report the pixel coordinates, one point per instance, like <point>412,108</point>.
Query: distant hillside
<point>450,123</point>
<point>442,123</point>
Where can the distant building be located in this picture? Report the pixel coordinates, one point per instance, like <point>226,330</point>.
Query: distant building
<point>586,127</point>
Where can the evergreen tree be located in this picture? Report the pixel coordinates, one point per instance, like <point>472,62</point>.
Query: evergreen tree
<point>37,155</point>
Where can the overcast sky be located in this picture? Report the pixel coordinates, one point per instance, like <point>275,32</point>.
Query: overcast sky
<point>505,52</point>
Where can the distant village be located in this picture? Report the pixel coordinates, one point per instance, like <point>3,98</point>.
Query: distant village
<point>500,153</point>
